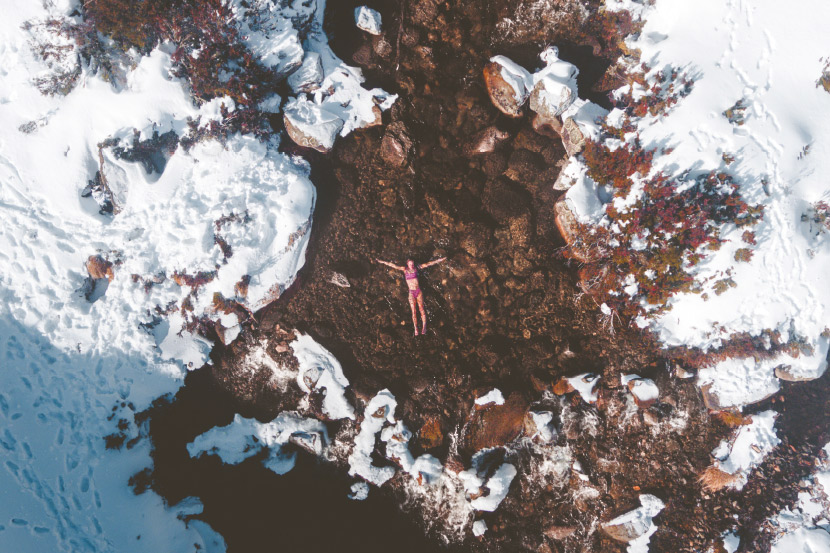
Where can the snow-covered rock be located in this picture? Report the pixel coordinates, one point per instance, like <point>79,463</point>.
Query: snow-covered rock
<point>585,384</point>
<point>308,76</point>
<point>368,20</point>
<point>494,396</point>
<point>319,370</point>
<point>644,390</point>
<point>747,448</point>
<point>310,125</point>
<point>635,527</point>
<point>508,85</point>
<point>245,437</point>
<point>554,88</point>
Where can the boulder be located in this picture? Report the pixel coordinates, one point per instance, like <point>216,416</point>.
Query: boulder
<point>396,145</point>
<point>310,125</point>
<point>368,20</point>
<point>308,76</point>
<point>508,85</point>
<point>495,425</point>
<point>554,88</point>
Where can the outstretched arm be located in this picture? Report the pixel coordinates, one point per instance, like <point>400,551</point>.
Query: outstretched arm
<point>392,265</point>
<point>433,262</point>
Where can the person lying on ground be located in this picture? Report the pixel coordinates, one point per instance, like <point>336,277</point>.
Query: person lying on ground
<point>416,296</point>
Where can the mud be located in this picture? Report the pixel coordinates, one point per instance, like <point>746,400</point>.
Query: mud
<point>505,311</point>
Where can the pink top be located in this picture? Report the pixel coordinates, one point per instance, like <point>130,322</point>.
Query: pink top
<point>411,275</point>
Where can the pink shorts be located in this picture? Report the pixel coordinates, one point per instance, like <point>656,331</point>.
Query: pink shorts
<point>415,293</point>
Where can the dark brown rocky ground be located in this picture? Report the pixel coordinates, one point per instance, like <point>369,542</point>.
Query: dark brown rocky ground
<point>504,311</point>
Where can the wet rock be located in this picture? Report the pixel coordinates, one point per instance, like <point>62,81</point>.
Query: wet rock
<point>308,76</point>
<point>99,268</point>
<point>363,55</point>
<point>486,141</point>
<point>426,13</point>
<point>396,145</point>
<point>430,434</point>
<point>495,425</point>
<point>559,532</point>
<point>503,201</point>
<point>310,125</point>
<point>521,230</point>
<point>476,239</point>
<point>508,85</point>
<point>368,20</point>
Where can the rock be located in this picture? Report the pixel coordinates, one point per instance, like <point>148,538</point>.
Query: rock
<point>508,85</point>
<point>570,230</point>
<point>710,398</point>
<point>644,390</point>
<point>310,125</point>
<point>383,47</point>
<point>791,374</point>
<point>367,20</point>
<point>554,88</point>
<point>503,200</point>
<point>396,145</point>
<point>308,76</point>
<point>486,141</point>
<point>431,435</point>
<point>572,137</point>
<point>524,166</point>
<point>551,128</point>
<point>562,387</point>
<point>633,524</point>
<point>282,52</point>
<point>495,425</point>
<point>98,268</point>
<point>559,532</point>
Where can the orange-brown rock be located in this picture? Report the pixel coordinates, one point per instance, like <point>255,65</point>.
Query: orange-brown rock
<point>495,425</point>
<point>98,267</point>
<point>431,435</point>
<point>562,387</point>
<point>504,96</point>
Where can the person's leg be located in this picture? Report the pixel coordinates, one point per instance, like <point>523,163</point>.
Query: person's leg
<point>423,312</point>
<point>414,313</point>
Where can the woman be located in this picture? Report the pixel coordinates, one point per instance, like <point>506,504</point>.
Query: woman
<point>410,273</point>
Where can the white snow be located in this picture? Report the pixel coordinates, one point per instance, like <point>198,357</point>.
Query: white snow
<point>644,389</point>
<point>68,361</point>
<point>368,20</point>
<point>319,369</point>
<point>731,542</point>
<point>748,447</point>
<point>803,540</point>
<point>770,57</point>
<point>245,437</point>
<point>479,528</point>
<point>585,384</point>
<point>359,491</point>
<point>379,410</point>
<point>640,522</point>
<point>494,396</point>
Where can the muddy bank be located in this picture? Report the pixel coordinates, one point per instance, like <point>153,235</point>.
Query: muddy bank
<point>505,311</point>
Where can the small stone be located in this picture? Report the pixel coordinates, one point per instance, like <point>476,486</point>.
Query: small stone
<point>396,145</point>
<point>98,268</point>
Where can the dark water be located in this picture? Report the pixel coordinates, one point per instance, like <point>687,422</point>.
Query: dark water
<point>256,510</point>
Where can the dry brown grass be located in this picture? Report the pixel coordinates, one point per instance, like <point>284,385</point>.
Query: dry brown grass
<point>733,419</point>
<point>713,479</point>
